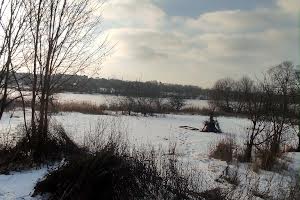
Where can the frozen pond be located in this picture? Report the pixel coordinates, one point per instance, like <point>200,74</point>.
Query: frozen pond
<point>108,99</point>
<point>100,99</point>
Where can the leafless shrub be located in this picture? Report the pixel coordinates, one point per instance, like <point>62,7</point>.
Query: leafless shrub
<point>265,159</point>
<point>224,149</point>
<point>231,175</point>
<point>114,170</point>
<point>245,184</point>
<point>214,194</point>
<point>222,93</point>
<point>107,132</point>
<point>82,107</point>
<point>18,155</point>
<point>294,193</point>
<point>176,103</point>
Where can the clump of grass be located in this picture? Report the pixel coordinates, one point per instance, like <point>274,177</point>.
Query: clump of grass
<point>214,194</point>
<point>224,149</point>
<point>82,107</point>
<point>21,153</point>
<point>114,170</point>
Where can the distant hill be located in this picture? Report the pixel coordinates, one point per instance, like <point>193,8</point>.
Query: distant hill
<point>85,84</point>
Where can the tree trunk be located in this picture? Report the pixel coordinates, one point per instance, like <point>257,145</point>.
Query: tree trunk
<point>4,97</point>
<point>248,152</point>
<point>298,149</point>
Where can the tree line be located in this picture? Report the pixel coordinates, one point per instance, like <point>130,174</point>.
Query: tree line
<point>85,84</point>
<point>270,103</point>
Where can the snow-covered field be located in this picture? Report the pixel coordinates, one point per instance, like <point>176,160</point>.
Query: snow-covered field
<point>104,99</point>
<point>99,99</point>
<point>161,130</point>
<point>19,185</point>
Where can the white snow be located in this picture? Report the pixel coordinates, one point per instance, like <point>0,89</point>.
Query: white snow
<point>99,99</point>
<point>19,185</point>
<point>160,130</point>
<point>295,157</point>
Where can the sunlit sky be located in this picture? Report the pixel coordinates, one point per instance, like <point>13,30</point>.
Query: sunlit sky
<point>198,41</point>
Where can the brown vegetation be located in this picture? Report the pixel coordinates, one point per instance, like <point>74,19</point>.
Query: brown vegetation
<point>82,107</point>
<point>224,149</point>
<point>18,154</point>
<point>112,170</point>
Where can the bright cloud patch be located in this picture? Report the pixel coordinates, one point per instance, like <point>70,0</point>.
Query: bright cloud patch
<point>290,5</point>
<point>154,46</point>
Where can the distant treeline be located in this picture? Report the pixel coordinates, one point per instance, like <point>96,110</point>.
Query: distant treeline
<point>85,84</point>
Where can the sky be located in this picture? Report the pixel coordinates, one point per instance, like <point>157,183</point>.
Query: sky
<point>198,41</point>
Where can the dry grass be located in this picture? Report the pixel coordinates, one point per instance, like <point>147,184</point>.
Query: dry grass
<point>265,159</point>
<point>113,170</point>
<point>82,107</point>
<point>148,107</point>
<point>224,149</point>
<point>21,153</point>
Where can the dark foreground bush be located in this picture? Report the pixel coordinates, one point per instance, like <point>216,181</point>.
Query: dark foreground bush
<point>21,154</point>
<point>116,173</point>
<point>214,194</point>
<point>103,176</point>
<point>14,159</point>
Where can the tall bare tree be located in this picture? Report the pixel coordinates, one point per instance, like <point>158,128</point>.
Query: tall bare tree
<point>63,39</point>
<point>240,94</point>
<point>254,106</point>
<point>12,31</point>
<point>222,94</point>
<point>281,89</point>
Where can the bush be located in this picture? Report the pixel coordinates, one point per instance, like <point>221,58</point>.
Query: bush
<point>214,194</point>
<point>176,103</point>
<point>112,170</point>
<point>82,107</point>
<point>265,158</point>
<point>20,155</point>
<point>110,175</point>
<point>224,149</point>
<point>294,193</point>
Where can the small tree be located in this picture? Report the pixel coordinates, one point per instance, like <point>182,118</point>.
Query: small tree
<point>222,94</point>
<point>298,100</point>
<point>255,109</point>
<point>176,102</point>
<point>281,89</point>
<point>243,90</point>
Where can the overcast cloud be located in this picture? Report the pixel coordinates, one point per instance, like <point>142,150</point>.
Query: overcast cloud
<point>154,42</point>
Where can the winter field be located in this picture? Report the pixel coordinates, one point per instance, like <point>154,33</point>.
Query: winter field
<point>159,131</point>
<point>103,99</point>
<point>99,99</point>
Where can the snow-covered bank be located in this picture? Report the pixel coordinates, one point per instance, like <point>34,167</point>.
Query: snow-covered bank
<point>158,130</point>
<point>19,185</point>
<point>161,130</point>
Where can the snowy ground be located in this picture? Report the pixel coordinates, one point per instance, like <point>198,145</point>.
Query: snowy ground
<point>100,99</point>
<point>19,185</point>
<point>193,146</point>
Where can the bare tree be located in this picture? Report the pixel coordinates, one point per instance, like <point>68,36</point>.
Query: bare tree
<point>281,88</point>
<point>176,102</point>
<point>243,90</point>
<point>222,94</point>
<point>62,39</point>
<point>12,30</point>
<point>298,105</point>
